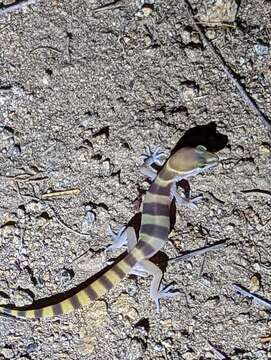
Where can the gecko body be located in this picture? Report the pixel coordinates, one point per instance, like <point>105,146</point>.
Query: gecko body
<point>153,235</point>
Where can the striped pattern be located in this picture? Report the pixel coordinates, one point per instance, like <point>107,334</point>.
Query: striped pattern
<point>155,221</point>
<point>83,297</point>
<point>153,234</point>
<point>156,209</point>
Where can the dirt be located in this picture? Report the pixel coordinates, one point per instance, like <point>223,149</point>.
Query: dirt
<point>81,93</point>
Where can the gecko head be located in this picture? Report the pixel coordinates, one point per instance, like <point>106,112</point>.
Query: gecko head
<point>188,162</point>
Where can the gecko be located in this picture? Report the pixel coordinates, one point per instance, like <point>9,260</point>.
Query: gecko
<point>153,234</point>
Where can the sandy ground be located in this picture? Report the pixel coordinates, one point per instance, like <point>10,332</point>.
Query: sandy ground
<point>81,94</point>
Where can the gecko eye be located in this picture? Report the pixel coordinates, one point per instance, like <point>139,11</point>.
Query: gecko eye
<point>202,165</point>
<point>201,148</point>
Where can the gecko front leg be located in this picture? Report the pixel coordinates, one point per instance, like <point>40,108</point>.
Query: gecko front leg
<point>185,197</point>
<point>151,157</point>
<point>154,157</point>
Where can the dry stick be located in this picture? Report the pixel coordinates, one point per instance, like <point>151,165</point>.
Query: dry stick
<point>218,354</point>
<point>201,251</point>
<point>257,299</point>
<point>248,100</point>
<point>259,191</point>
<point>19,178</point>
<point>266,339</point>
<point>17,6</point>
<point>61,193</point>
<point>65,225</point>
<point>112,5</point>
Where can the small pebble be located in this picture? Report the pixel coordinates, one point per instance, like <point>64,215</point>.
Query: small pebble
<point>66,275</point>
<point>88,220</point>
<point>167,343</point>
<point>158,348</point>
<point>186,36</point>
<point>132,289</point>
<point>146,10</point>
<point>7,353</point>
<point>211,34</point>
<point>260,354</point>
<point>261,49</point>
<point>189,91</point>
<point>265,149</point>
<point>106,168</point>
<point>32,347</point>
<point>188,355</point>
<point>22,298</point>
<point>255,282</point>
<point>256,266</point>
<point>46,79</point>
<point>14,151</point>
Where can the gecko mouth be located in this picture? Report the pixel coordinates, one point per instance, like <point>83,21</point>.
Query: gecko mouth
<point>208,167</point>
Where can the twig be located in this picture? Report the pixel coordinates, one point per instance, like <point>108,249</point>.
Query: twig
<point>60,193</point>
<point>259,191</point>
<point>216,23</point>
<point>20,178</point>
<point>201,251</point>
<point>110,6</point>
<point>265,339</point>
<point>259,300</point>
<point>232,77</point>
<point>218,354</point>
<point>83,254</point>
<point>45,47</point>
<point>17,6</point>
<point>65,225</point>
<point>219,201</point>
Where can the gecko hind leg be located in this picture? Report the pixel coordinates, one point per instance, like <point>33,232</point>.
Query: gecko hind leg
<point>125,236</point>
<point>156,290</point>
<point>119,238</point>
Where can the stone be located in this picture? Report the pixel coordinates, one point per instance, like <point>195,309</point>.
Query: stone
<point>126,306</point>
<point>255,282</point>
<point>220,12</point>
<point>261,48</point>
<point>7,353</point>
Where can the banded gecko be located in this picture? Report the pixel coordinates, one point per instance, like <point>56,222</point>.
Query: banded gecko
<point>153,234</point>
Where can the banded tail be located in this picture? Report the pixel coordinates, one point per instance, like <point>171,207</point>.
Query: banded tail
<point>89,294</point>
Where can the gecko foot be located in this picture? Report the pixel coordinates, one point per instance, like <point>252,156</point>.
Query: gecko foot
<point>119,238</point>
<point>166,292</point>
<point>151,157</point>
<point>188,201</point>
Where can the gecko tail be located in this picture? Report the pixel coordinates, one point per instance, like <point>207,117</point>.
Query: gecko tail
<point>83,297</point>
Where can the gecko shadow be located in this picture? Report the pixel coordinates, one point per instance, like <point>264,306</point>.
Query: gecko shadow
<point>205,135</point>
